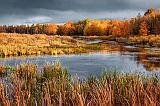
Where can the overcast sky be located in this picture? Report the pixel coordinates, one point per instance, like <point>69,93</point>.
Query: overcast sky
<point>60,11</point>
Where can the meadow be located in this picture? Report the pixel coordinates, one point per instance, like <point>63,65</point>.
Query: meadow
<point>12,44</point>
<point>56,87</point>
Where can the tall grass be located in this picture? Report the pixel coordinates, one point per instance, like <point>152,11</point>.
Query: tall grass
<point>55,87</point>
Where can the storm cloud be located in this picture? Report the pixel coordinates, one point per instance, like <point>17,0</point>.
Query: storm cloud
<point>59,11</point>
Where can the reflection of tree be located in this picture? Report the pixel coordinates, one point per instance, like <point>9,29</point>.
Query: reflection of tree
<point>149,61</point>
<point>151,66</point>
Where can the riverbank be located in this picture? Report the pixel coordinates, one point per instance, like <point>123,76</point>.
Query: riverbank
<point>137,41</point>
<point>12,44</point>
<point>55,86</point>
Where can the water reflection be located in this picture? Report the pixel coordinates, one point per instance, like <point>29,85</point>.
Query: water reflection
<point>150,63</point>
<point>114,57</point>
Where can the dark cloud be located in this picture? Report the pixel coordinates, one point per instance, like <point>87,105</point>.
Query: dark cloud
<point>44,11</point>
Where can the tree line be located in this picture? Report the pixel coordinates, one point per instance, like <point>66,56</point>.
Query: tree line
<point>144,25</point>
<point>49,29</point>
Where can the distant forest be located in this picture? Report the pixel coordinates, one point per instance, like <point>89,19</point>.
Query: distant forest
<point>148,24</point>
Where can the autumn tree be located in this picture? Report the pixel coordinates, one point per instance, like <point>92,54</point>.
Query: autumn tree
<point>152,12</point>
<point>50,29</point>
<point>95,27</point>
<point>156,25</point>
<point>107,26</point>
<point>80,26</point>
<point>153,20</point>
<point>116,31</point>
<point>143,31</point>
<point>60,30</point>
<point>2,29</point>
<point>68,29</point>
<point>125,29</point>
<point>147,24</point>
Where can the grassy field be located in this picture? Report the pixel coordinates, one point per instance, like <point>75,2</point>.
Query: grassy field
<point>56,87</point>
<point>25,44</point>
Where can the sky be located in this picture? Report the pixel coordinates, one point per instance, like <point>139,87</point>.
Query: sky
<point>13,12</point>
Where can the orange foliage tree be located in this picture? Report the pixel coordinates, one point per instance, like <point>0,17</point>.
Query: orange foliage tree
<point>96,28</point>
<point>50,29</point>
<point>116,31</point>
<point>143,31</point>
<point>116,28</point>
<point>125,29</point>
<point>147,24</point>
<point>68,29</point>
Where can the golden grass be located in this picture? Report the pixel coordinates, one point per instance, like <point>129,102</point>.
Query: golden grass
<point>55,87</point>
<point>12,44</point>
<point>151,40</point>
<point>2,69</point>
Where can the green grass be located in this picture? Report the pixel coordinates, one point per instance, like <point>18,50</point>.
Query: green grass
<point>56,87</point>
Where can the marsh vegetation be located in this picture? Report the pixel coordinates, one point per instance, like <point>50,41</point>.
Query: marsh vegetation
<point>55,86</point>
<point>26,44</point>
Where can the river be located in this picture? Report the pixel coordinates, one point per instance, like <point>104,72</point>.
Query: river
<point>94,63</point>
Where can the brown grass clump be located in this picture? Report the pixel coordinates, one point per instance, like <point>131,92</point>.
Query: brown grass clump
<point>2,69</point>
<point>26,70</point>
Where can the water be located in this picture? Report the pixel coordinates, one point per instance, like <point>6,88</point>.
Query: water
<point>91,64</point>
<point>122,58</point>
